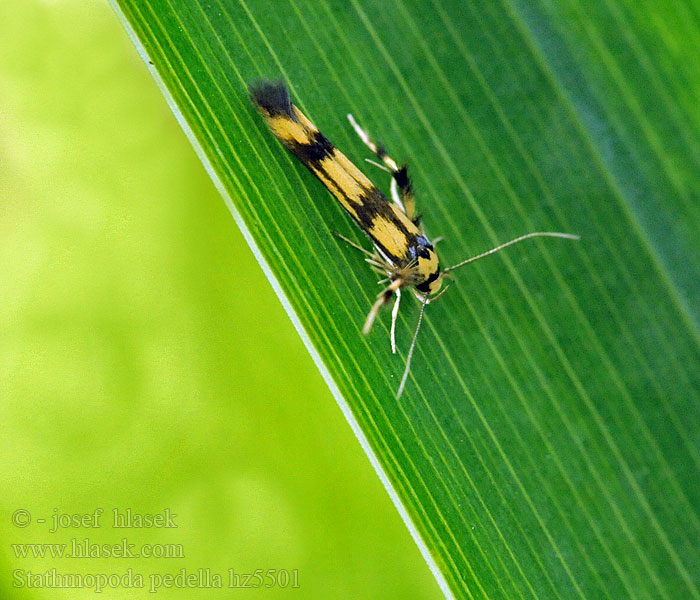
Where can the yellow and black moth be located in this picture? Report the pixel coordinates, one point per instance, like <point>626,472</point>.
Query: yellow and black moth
<point>402,251</point>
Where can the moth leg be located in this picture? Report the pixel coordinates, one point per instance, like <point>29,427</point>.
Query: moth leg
<point>401,188</point>
<point>353,244</point>
<point>383,298</point>
<point>394,315</point>
<point>375,260</point>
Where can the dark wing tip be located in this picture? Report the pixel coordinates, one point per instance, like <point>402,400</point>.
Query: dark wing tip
<point>271,97</point>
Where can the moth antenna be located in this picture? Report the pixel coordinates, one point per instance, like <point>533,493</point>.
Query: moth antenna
<point>567,236</point>
<point>410,350</point>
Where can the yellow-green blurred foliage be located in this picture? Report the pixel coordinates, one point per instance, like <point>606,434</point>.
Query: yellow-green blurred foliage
<point>145,361</point>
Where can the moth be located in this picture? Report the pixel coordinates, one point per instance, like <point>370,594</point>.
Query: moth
<point>402,253</point>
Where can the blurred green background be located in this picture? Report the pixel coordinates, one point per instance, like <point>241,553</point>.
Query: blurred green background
<point>146,363</point>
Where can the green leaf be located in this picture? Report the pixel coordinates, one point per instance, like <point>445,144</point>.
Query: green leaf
<point>548,442</point>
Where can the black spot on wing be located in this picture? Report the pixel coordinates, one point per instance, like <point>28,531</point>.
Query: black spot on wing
<point>373,204</point>
<point>272,97</point>
<point>369,207</point>
<point>315,151</point>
